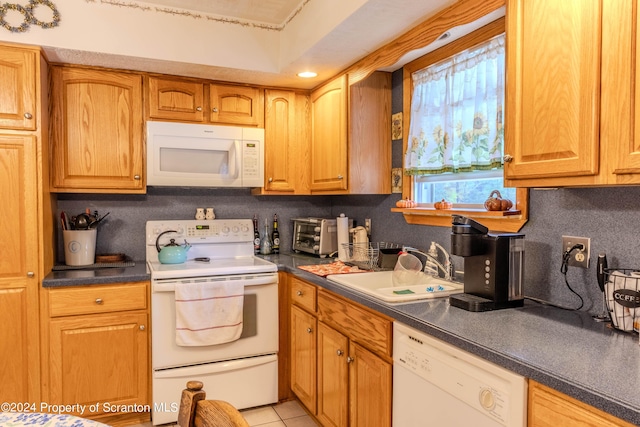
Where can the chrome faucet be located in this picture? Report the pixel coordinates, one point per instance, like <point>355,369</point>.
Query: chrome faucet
<point>446,268</point>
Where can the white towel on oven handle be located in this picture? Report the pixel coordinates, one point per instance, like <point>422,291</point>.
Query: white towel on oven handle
<point>208,313</point>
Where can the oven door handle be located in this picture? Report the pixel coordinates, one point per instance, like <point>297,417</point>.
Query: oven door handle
<point>161,285</point>
<point>216,367</point>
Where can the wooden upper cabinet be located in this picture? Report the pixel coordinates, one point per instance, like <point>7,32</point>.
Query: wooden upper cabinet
<point>329,117</point>
<point>553,94</point>
<point>237,105</point>
<point>97,131</point>
<point>171,99</point>
<point>620,116</point>
<point>370,135</point>
<point>351,136</point>
<point>18,82</point>
<point>280,167</point>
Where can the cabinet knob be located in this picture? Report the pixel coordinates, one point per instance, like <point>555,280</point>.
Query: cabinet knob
<point>214,109</point>
<point>270,179</point>
<point>309,330</point>
<point>141,327</point>
<point>99,301</point>
<point>136,177</point>
<point>299,293</point>
<point>30,274</point>
<point>28,116</point>
<point>198,108</point>
<point>339,176</point>
<point>350,359</point>
<point>339,352</point>
<point>507,158</point>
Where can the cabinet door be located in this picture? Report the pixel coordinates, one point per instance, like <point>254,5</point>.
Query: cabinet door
<point>17,88</point>
<point>97,134</point>
<point>329,136</point>
<point>99,358</point>
<point>550,408</point>
<point>19,334</point>
<point>369,135</point>
<point>236,105</point>
<point>303,357</point>
<point>369,389</point>
<point>280,166</point>
<point>620,129</point>
<point>176,100</point>
<point>333,377</point>
<point>553,93</point>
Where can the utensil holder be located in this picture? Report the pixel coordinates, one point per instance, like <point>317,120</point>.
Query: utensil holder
<point>622,295</point>
<point>79,246</point>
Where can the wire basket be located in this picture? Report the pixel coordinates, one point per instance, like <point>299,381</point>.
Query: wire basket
<point>367,255</point>
<point>622,295</point>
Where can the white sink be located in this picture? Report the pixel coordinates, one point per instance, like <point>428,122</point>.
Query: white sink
<point>379,284</point>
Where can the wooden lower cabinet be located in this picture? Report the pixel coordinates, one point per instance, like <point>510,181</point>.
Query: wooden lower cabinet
<point>341,365</point>
<point>98,351</point>
<point>303,357</point>
<point>333,377</point>
<point>550,408</point>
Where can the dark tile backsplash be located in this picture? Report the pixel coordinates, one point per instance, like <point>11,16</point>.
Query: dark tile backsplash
<point>609,216</point>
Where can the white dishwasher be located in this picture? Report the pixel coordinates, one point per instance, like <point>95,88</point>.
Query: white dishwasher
<point>437,384</point>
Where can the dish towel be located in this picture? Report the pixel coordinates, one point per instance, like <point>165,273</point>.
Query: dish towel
<point>208,313</point>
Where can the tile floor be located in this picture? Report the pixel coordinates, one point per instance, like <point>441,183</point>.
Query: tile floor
<point>286,414</point>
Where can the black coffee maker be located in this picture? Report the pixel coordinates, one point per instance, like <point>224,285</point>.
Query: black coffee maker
<point>493,266</point>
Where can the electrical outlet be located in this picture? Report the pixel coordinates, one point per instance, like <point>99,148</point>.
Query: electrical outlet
<point>578,258</point>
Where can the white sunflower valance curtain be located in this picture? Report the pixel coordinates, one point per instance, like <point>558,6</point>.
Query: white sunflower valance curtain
<point>456,113</point>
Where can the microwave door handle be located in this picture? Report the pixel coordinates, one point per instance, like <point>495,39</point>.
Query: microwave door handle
<point>235,158</point>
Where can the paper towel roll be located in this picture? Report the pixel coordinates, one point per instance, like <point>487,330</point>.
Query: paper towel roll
<point>343,237</point>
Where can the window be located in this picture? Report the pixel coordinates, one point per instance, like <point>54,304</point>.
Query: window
<point>456,138</point>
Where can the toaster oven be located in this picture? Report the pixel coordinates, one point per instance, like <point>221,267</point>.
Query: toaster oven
<point>317,236</point>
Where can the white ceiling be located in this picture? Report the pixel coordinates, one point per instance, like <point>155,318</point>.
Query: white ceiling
<point>273,12</point>
<point>264,42</point>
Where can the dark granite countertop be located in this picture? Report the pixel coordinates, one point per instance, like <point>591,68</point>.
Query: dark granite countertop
<point>97,276</point>
<point>565,350</point>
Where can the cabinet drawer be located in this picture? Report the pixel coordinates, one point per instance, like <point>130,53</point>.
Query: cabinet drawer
<point>362,326</point>
<point>97,299</point>
<point>303,294</point>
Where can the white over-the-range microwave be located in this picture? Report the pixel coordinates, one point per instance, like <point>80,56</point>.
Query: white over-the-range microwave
<point>195,155</point>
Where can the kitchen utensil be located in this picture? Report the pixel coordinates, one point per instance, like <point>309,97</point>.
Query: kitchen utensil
<point>600,268</point>
<point>172,253</point>
<point>95,223</point>
<point>81,222</point>
<point>407,271</point>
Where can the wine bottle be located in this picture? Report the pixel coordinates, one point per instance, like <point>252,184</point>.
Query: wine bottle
<point>256,235</point>
<point>265,243</point>
<point>275,236</point>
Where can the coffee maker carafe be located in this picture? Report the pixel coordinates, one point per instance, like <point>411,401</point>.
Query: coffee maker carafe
<point>493,266</point>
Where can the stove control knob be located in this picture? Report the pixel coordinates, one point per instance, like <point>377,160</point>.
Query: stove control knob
<point>316,238</point>
<point>316,247</point>
<point>225,229</point>
<point>180,230</point>
<point>236,229</point>
<point>245,229</point>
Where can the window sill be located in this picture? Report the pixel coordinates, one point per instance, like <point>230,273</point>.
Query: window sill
<point>509,221</point>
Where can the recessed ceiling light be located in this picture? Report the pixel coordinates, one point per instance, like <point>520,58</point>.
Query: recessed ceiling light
<point>307,74</point>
